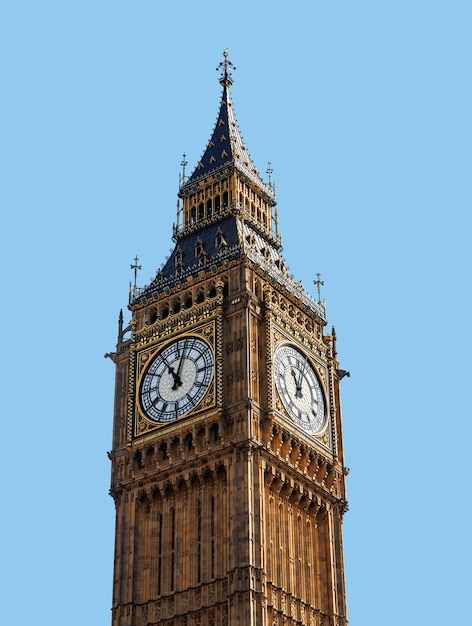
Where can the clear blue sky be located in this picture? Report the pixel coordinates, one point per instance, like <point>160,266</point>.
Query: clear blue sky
<point>364,110</point>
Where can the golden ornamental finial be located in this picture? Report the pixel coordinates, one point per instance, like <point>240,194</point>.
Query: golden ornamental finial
<point>225,65</point>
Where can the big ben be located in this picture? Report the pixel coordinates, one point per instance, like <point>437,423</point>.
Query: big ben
<point>227,460</point>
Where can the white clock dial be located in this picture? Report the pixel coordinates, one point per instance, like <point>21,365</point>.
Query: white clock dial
<point>299,388</point>
<point>176,379</point>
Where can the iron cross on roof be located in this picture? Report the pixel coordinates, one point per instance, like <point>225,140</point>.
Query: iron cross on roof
<point>269,171</point>
<point>135,267</point>
<point>318,283</point>
<point>183,163</point>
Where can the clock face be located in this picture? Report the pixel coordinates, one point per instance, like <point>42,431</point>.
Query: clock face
<point>299,388</point>
<point>176,379</point>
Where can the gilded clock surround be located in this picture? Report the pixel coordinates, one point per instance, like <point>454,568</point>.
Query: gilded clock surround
<point>300,392</point>
<point>146,358</point>
<point>294,336</point>
<point>230,515</point>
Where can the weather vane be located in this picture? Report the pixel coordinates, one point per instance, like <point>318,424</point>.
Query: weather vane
<point>225,66</point>
<point>135,267</point>
<point>318,283</point>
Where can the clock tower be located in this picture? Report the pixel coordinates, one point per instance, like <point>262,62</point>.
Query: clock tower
<point>227,460</point>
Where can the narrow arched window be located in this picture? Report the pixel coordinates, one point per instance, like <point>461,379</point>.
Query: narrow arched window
<point>188,302</point>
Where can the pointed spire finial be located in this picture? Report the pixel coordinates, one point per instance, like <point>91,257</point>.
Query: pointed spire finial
<point>318,283</point>
<point>177,220</point>
<point>183,164</point>
<point>135,267</point>
<point>269,171</point>
<point>120,326</point>
<point>225,65</point>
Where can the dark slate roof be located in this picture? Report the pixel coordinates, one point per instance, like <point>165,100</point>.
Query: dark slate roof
<point>207,240</point>
<point>220,243</point>
<point>211,246</point>
<point>226,147</point>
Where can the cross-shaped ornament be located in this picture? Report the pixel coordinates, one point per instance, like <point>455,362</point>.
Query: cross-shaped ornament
<point>318,283</point>
<point>135,267</point>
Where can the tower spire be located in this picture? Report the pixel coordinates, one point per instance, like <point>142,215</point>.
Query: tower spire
<point>226,148</point>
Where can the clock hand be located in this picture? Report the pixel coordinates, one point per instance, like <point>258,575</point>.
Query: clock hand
<point>298,392</point>
<point>302,371</point>
<point>177,379</point>
<point>171,371</point>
